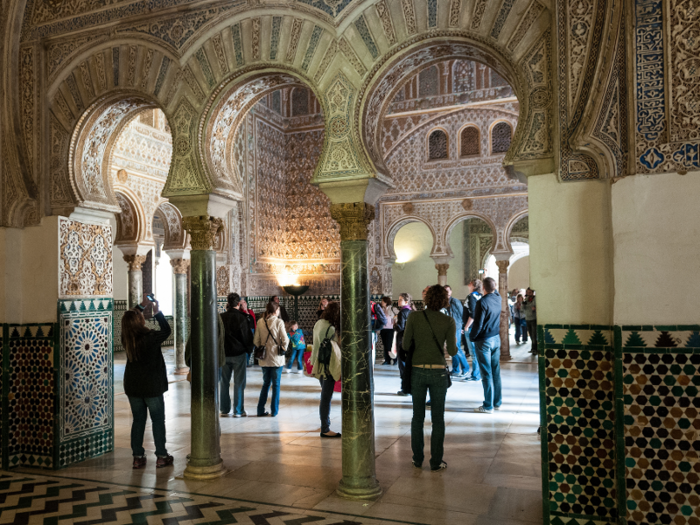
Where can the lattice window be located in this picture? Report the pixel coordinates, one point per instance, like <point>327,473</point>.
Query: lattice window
<point>497,80</point>
<point>437,145</point>
<point>428,82</point>
<point>463,76</point>
<point>469,142</point>
<point>277,101</point>
<point>400,96</point>
<point>501,135</point>
<point>300,102</point>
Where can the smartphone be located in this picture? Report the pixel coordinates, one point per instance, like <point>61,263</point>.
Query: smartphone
<point>151,297</point>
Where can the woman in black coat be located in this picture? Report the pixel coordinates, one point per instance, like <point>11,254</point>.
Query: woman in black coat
<point>145,380</point>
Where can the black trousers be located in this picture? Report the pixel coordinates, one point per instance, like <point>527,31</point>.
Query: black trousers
<point>532,330</point>
<point>387,335</point>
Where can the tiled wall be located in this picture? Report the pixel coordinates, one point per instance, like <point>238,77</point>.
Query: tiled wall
<point>620,426</point>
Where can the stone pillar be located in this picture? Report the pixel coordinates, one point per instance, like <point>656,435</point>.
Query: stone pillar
<point>359,473</point>
<point>135,263</point>
<point>205,457</point>
<point>180,272</point>
<point>442,273</point>
<point>505,311</point>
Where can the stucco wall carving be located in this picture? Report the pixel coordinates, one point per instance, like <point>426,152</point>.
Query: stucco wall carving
<point>85,268</point>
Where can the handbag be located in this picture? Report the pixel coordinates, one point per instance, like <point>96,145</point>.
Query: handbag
<point>260,352</point>
<point>449,379</point>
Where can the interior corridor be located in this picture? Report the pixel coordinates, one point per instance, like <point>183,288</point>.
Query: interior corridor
<point>281,468</point>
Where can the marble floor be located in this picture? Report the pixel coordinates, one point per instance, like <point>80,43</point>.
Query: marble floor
<point>281,470</point>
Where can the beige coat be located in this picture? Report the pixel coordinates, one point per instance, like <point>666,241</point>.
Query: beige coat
<point>320,370</point>
<point>275,356</point>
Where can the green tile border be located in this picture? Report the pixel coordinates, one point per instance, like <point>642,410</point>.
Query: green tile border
<point>5,396</point>
<point>543,426</point>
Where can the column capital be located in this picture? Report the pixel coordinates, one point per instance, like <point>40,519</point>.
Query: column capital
<point>442,269</point>
<point>202,230</point>
<point>502,266</point>
<point>180,265</point>
<point>353,218</point>
<point>135,262</point>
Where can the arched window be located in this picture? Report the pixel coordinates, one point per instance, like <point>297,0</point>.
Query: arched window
<point>428,82</point>
<point>469,142</point>
<point>300,102</point>
<point>501,135</point>
<point>463,76</point>
<point>437,145</point>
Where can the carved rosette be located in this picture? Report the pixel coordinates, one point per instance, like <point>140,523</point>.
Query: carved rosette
<point>135,262</point>
<point>180,265</point>
<point>502,266</point>
<point>442,269</point>
<point>202,230</point>
<point>354,219</point>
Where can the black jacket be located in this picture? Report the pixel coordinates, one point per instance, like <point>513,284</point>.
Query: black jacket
<point>147,377</point>
<point>239,337</point>
<point>400,324</point>
<point>487,317</point>
<point>380,322</point>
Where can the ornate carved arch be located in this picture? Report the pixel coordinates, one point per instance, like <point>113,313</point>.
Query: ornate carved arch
<point>131,221</point>
<point>393,229</point>
<point>175,234</point>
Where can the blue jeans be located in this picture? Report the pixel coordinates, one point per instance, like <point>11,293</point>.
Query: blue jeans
<point>297,355</point>
<point>236,366</point>
<point>422,381</point>
<point>272,375</point>
<point>488,352</point>
<point>476,374</point>
<point>459,360</point>
<point>520,330</point>
<point>324,409</point>
<point>140,407</point>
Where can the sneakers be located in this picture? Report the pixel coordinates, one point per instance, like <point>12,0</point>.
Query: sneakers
<point>440,467</point>
<point>139,462</point>
<point>416,465</point>
<point>401,393</point>
<point>496,408</point>
<point>482,410</point>
<point>287,370</point>
<point>297,371</point>
<point>164,461</point>
<point>242,414</point>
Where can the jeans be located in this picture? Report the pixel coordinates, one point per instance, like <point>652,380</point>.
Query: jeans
<point>324,408</point>
<point>476,374</point>
<point>387,341</point>
<point>460,365</point>
<point>520,330</point>
<point>236,366</point>
<point>140,407</point>
<point>532,330</point>
<point>298,356</point>
<point>272,375</point>
<point>422,381</point>
<point>488,351</point>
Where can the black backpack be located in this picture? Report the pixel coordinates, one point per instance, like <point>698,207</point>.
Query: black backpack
<point>325,350</point>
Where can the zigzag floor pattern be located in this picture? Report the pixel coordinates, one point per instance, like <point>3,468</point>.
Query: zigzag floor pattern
<point>34,499</point>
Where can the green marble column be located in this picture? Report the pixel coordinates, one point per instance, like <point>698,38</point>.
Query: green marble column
<point>180,315</point>
<point>135,278</point>
<point>205,456</point>
<point>359,474</point>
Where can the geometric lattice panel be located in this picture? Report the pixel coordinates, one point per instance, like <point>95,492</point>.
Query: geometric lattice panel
<point>580,425</point>
<point>661,425</point>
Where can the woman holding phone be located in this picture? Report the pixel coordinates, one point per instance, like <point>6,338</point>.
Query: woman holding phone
<point>146,379</point>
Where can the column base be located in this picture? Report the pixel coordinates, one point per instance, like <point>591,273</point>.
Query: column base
<point>204,473</point>
<point>370,492</point>
<point>182,371</point>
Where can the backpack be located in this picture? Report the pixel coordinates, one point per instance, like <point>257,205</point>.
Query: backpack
<point>374,314</point>
<point>325,350</point>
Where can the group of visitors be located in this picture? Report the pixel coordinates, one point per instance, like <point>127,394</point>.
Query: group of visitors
<point>524,317</point>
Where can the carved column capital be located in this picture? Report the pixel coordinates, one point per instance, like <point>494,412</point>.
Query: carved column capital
<point>202,230</point>
<point>354,218</point>
<point>442,269</point>
<point>502,266</point>
<point>180,265</point>
<point>135,262</point>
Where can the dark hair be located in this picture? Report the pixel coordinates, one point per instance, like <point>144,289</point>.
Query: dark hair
<point>387,300</point>
<point>133,330</point>
<point>272,298</point>
<point>291,323</point>
<point>521,296</point>
<point>490,284</point>
<point>436,298</point>
<point>406,297</point>
<point>233,301</point>
<point>478,285</point>
<point>332,315</point>
<point>271,309</point>
<point>448,286</point>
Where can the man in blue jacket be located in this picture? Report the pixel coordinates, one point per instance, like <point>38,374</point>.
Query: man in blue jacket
<point>455,310</point>
<point>487,345</point>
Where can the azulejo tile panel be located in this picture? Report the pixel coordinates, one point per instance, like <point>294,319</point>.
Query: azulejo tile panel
<point>579,423</point>
<point>86,391</point>
<point>661,379</point>
<point>85,259</point>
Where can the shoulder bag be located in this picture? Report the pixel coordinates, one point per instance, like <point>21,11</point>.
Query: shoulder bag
<point>449,379</point>
<point>406,354</point>
<point>260,352</point>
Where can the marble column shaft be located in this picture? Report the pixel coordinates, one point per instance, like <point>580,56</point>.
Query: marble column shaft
<point>135,278</point>
<point>359,472</point>
<point>205,456</point>
<point>505,310</point>
<point>180,273</point>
